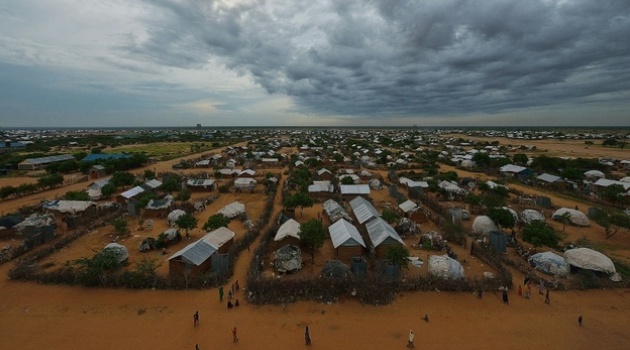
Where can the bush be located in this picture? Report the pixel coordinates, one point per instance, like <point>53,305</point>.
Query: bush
<point>539,234</point>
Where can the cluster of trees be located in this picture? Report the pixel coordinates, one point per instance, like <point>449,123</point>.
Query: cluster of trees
<point>572,169</point>
<point>45,182</point>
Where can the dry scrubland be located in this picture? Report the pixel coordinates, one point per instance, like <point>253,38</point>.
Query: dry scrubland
<point>57,317</point>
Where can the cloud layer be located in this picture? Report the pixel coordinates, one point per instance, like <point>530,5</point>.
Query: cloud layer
<point>354,61</point>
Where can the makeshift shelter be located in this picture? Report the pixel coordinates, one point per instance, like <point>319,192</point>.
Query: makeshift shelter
<point>335,269</point>
<point>375,184</point>
<point>382,236</point>
<point>335,211</point>
<point>346,240</point>
<point>445,267</point>
<point>200,185</point>
<point>363,210</point>
<point>232,210</point>
<point>158,207</point>
<point>550,263</point>
<point>36,222</point>
<point>96,171</point>
<point>173,216</point>
<point>120,250</point>
<point>207,253</point>
<point>71,207</point>
<point>576,217</point>
<point>483,225</point>
<point>530,215</point>
<point>589,259</point>
<point>288,233</point>
<point>354,190</point>
<point>288,258</point>
<point>594,175</point>
<point>245,184</point>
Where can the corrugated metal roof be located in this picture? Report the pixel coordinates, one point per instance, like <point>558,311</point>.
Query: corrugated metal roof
<point>199,251</point>
<point>343,233</point>
<point>379,231</point>
<point>355,189</point>
<point>51,159</point>
<point>97,156</point>
<point>233,209</point>
<point>321,186</point>
<point>155,183</point>
<point>408,206</point>
<point>132,192</point>
<point>289,228</point>
<point>200,182</point>
<point>363,209</point>
<point>549,178</point>
<point>511,168</point>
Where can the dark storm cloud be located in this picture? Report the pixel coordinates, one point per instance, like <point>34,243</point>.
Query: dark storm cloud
<point>406,58</point>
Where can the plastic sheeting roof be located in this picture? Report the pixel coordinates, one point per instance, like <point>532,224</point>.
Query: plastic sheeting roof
<point>445,267</point>
<point>380,231</point>
<point>335,211</point>
<point>232,210</point>
<point>64,206</point>
<point>355,189</point>
<point>575,216</point>
<point>589,259</point>
<point>130,193</point>
<point>343,233</point>
<point>531,215</point>
<point>550,263</point>
<point>290,228</point>
<point>408,206</point>
<point>121,250</point>
<point>51,159</point>
<point>363,209</point>
<point>484,225</point>
<point>321,186</point>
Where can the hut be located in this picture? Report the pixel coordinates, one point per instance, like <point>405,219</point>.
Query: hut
<point>355,190</point>
<point>200,185</point>
<point>97,171</point>
<point>445,267</point>
<point>363,210</point>
<point>288,233</point>
<point>335,211</point>
<point>232,210</point>
<point>119,250</point>
<point>335,269</point>
<point>550,263</point>
<point>204,255</point>
<point>483,225</point>
<point>288,258</point>
<point>412,211</point>
<point>576,217</point>
<point>346,240</point>
<point>382,236</point>
<point>245,184</point>
<point>157,208</point>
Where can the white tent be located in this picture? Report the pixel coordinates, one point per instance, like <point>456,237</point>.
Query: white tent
<point>483,225</point>
<point>576,217</point>
<point>531,215</point>
<point>589,259</point>
<point>445,267</point>
<point>594,174</point>
<point>120,250</point>
<point>550,263</point>
<point>174,215</point>
<point>232,210</point>
<point>290,228</point>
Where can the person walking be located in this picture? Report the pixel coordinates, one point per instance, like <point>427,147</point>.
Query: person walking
<point>410,342</point>
<point>236,285</point>
<point>234,337</point>
<point>221,294</point>
<point>307,336</point>
<point>580,320</point>
<point>547,297</point>
<point>196,318</point>
<point>196,346</point>
<point>506,299</point>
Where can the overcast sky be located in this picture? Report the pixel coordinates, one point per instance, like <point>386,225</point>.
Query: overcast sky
<point>348,63</point>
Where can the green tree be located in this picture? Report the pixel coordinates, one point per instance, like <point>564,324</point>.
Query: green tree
<point>397,254</point>
<point>539,233</point>
<point>186,222</point>
<point>216,221</point>
<point>502,217</point>
<point>492,201</point>
<point>389,215</point>
<point>120,225</point>
<point>122,179</point>
<point>312,236</point>
<point>347,180</point>
<point>7,191</point>
<point>564,219</point>
<point>172,184</point>
<point>49,181</point>
<point>614,193</point>
<point>183,195</point>
<point>90,271</point>
<point>612,221</point>
<point>24,189</point>
<point>77,196</point>
<point>520,158</point>
<point>300,199</point>
<point>482,160</point>
<point>108,190</point>
<point>148,174</point>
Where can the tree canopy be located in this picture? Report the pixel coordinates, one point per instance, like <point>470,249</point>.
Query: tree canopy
<point>301,199</point>
<point>397,254</point>
<point>539,234</point>
<point>312,236</point>
<point>187,222</point>
<point>216,221</point>
<point>502,217</point>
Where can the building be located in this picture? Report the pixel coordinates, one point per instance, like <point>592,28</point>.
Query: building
<point>288,233</point>
<point>346,240</point>
<point>208,254</point>
<point>103,156</point>
<point>97,171</point>
<point>199,185</point>
<point>363,210</point>
<point>41,163</point>
<point>382,235</point>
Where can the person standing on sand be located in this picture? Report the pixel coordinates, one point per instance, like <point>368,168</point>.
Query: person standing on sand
<point>410,342</point>
<point>307,336</point>
<point>547,297</point>
<point>221,294</point>
<point>196,318</point>
<point>234,338</point>
<point>506,299</point>
<point>580,320</point>
<point>196,346</point>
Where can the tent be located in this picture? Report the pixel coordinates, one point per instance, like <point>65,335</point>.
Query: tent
<point>550,263</point>
<point>594,174</point>
<point>120,250</point>
<point>483,225</point>
<point>336,269</point>
<point>232,210</point>
<point>531,215</point>
<point>589,259</point>
<point>173,216</point>
<point>288,258</point>
<point>445,267</point>
<point>576,217</point>
<point>290,228</point>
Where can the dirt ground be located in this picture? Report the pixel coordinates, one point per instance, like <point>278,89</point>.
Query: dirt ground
<point>58,317</point>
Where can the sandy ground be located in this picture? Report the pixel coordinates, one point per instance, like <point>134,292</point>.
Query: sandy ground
<point>58,317</point>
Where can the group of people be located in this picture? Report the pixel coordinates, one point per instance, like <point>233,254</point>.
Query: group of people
<point>528,289</point>
<point>231,294</point>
